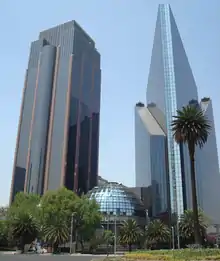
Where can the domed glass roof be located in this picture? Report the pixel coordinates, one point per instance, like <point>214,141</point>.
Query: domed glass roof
<point>116,199</point>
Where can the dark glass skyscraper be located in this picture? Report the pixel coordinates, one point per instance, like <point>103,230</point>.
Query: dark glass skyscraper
<point>58,134</point>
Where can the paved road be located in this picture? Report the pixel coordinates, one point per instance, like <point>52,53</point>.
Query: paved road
<point>47,258</point>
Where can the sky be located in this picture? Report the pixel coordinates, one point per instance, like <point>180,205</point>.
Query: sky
<point>123,31</point>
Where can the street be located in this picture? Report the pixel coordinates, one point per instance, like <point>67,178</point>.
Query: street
<point>49,258</point>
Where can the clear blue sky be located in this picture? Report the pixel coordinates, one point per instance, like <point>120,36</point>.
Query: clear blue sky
<point>123,31</point>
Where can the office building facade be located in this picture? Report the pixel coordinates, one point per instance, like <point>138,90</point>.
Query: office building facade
<point>208,167</point>
<point>171,86</point>
<point>58,134</point>
<point>151,159</point>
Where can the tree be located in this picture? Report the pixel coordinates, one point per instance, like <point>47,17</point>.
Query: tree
<point>25,200</point>
<point>190,126</point>
<point>87,218</point>
<point>23,218</point>
<point>49,217</point>
<point>62,200</point>
<point>108,237</point>
<point>62,207</point>
<point>56,229</point>
<point>130,233</point>
<point>56,211</point>
<point>25,227</point>
<point>157,232</point>
<point>186,225</point>
<point>3,233</point>
<point>3,212</point>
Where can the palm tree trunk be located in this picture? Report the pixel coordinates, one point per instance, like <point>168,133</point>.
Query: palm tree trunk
<point>197,237</point>
<point>22,244</point>
<point>82,245</point>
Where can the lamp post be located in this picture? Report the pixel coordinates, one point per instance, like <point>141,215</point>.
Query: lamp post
<point>108,217</point>
<point>147,216</point>
<point>71,233</point>
<point>102,229</point>
<point>115,238</point>
<point>173,240</point>
<point>178,234</point>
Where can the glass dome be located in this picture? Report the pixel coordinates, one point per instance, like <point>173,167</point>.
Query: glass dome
<point>117,200</point>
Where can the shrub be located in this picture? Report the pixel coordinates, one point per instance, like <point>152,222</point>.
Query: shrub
<point>182,254</point>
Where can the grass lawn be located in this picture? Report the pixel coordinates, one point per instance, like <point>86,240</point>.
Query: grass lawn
<point>169,255</point>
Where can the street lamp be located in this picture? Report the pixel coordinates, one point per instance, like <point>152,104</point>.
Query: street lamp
<point>147,216</point>
<point>71,233</point>
<point>178,234</point>
<point>173,240</point>
<point>108,219</point>
<point>115,238</point>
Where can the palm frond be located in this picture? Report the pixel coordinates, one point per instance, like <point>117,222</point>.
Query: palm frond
<point>157,231</point>
<point>130,232</point>
<point>56,229</point>
<point>190,125</point>
<point>186,224</point>
<point>25,225</point>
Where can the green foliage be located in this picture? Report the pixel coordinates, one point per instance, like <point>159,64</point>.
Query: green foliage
<point>4,232</point>
<point>182,254</point>
<point>157,232</point>
<point>24,227</point>
<point>55,229</point>
<point>23,218</point>
<point>24,202</point>
<point>49,218</point>
<point>130,233</point>
<point>56,211</point>
<point>87,217</point>
<point>108,237</point>
<point>186,224</point>
<point>62,200</point>
<point>3,212</point>
<point>191,126</point>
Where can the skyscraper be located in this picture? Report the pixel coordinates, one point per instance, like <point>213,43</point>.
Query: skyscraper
<point>171,85</point>
<point>151,158</point>
<point>58,134</point>
<point>208,167</point>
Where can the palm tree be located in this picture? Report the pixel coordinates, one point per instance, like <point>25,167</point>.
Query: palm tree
<point>186,225</point>
<point>130,233</point>
<point>55,229</point>
<point>191,126</point>
<point>25,227</point>
<point>157,232</point>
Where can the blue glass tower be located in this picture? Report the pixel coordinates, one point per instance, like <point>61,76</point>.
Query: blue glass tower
<point>171,85</point>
